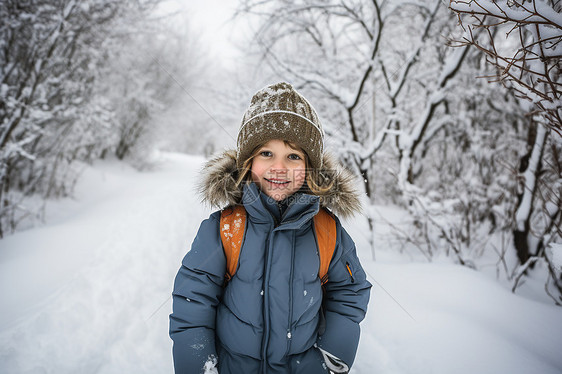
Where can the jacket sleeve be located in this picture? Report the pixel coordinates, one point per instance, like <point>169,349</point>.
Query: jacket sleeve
<point>345,300</point>
<point>197,292</point>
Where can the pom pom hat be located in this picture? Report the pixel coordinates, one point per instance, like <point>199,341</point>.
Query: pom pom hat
<point>280,112</point>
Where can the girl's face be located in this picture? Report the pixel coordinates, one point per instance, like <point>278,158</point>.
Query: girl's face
<point>278,170</point>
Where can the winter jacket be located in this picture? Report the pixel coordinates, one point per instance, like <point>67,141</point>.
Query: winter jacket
<point>271,316</point>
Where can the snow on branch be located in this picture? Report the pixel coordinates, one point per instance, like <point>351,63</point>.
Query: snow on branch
<point>555,255</point>
<point>528,58</point>
<point>523,212</point>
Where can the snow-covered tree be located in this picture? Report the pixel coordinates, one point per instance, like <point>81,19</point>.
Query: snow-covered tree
<point>403,109</point>
<point>78,81</point>
<point>149,73</point>
<point>48,51</point>
<point>382,83</point>
<point>523,40</point>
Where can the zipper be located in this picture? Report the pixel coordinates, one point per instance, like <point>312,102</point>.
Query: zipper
<point>289,333</point>
<point>267,270</point>
<point>349,271</point>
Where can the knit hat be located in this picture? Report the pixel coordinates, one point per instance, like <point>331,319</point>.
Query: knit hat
<point>280,112</point>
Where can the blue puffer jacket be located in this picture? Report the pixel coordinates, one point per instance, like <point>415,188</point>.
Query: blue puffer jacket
<point>267,318</point>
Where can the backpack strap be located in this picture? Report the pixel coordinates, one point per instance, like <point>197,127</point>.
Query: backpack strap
<point>325,228</point>
<point>232,225</point>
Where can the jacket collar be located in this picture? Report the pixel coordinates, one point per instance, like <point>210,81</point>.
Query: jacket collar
<point>262,208</point>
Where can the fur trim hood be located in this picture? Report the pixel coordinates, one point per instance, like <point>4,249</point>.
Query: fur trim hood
<point>218,186</point>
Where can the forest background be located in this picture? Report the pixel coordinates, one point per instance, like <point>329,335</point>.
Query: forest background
<point>450,111</point>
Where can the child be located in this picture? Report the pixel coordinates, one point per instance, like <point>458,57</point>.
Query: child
<point>273,315</point>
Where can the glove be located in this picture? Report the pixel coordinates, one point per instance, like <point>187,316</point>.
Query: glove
<point>211,365</point>
<point>334,364</point>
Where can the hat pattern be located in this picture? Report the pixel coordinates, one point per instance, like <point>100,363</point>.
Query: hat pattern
<point>280,112</point>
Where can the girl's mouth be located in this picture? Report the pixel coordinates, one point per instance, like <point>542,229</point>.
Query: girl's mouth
<point>277,181</point>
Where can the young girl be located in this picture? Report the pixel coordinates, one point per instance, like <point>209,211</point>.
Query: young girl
<point>273,315</point>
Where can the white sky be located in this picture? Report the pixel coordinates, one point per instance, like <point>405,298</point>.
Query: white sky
<point>210,20</point>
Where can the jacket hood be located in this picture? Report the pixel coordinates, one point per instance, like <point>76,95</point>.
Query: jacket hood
<point>218,186</point>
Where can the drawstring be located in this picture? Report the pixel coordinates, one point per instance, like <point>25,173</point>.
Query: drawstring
<point>350,272</point>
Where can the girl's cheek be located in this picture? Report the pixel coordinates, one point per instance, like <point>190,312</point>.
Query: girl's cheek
<point>300,176</point>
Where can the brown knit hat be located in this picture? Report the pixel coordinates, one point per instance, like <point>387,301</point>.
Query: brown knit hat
<point>280,112</point>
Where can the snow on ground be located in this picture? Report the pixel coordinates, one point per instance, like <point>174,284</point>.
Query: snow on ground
<point>89,291</point>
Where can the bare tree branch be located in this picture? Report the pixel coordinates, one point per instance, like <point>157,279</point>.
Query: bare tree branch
<point>532,70</point>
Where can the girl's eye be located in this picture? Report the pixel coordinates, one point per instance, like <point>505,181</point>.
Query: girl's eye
<point>294,156</point>
<point>266,153</point>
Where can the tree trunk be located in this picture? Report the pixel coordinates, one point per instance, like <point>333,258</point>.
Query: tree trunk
<point>530,168</point>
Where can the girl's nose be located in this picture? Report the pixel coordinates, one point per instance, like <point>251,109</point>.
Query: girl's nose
<point>278,165</point>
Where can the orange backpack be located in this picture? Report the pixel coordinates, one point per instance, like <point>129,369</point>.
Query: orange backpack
<point>233,223</point>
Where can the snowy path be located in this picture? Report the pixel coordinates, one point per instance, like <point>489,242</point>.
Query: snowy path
<point>89,283</point>
<point>89,291</point>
